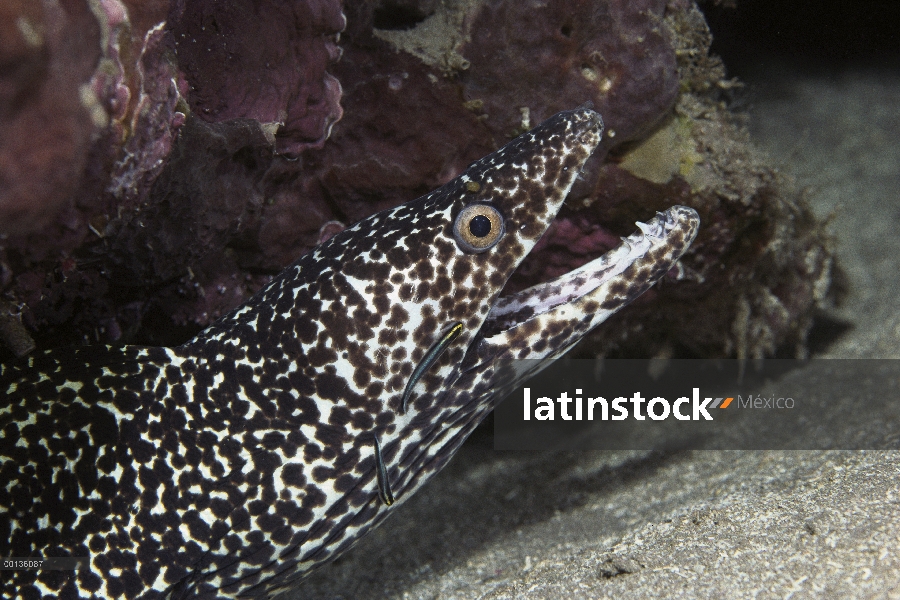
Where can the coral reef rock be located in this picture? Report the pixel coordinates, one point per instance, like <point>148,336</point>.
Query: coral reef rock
<point>160,161</point>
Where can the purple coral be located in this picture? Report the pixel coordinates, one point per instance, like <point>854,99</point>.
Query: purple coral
<point>179,166</point>
<point>48,113</point>
<point>565,52</point>
<point>263,61</point>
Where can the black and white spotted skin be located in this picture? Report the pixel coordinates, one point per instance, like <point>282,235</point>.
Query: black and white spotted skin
<point>236,463</point>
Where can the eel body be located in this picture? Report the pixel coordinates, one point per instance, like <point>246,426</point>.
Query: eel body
<point>268,444</point>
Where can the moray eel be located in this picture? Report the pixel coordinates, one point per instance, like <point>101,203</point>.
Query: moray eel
<point>271,442</point>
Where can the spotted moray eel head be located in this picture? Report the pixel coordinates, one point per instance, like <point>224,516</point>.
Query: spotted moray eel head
<point>359,312</point>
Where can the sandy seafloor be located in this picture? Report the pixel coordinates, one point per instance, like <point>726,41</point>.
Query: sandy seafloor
<point>709,524</point>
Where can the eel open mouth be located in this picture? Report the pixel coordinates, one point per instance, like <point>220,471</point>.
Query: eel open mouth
<point>610,281</point>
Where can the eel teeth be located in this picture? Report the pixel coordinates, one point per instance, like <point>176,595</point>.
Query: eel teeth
<point>644,227</point>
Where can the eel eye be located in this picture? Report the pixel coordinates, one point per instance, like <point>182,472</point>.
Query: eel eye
<point>478,227</point>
